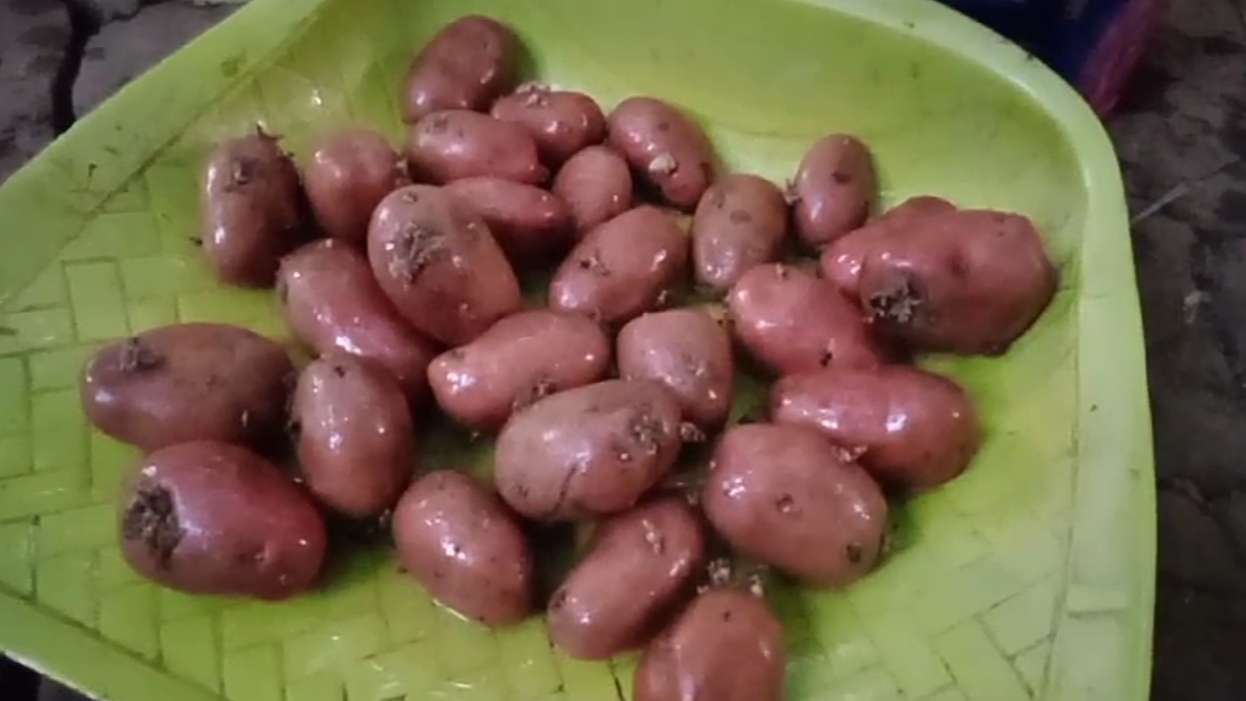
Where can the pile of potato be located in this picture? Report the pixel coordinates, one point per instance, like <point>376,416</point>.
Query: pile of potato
<point>400,272</point>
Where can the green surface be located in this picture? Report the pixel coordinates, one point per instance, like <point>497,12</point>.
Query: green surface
<point>1030,577</point>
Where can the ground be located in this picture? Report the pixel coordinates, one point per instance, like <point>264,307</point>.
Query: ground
<point>1181,137</point>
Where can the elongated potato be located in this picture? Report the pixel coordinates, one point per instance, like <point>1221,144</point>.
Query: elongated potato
<point>456,144</point>
<point>833,189</point>
<point>842,259</point>
<point>740,222</point>
<point>664,147</point>
<point>597,185</point>
<point>561,121</point>
<point>349,173</point>
<point>689,352</point>
<point>464,66</point>
<point>530,224</point>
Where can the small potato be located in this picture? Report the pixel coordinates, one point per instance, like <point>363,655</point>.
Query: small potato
<point>841,260</point>
<point>350,172</point>
<point>188,382</point>
<point>792,321</point>
<point>530,224</point>
<point>689,352</point>
<point>356,441</point>
<point>206,517</point>
<point>740,222</point>
<point>786,497</point>
<point>597,185</point>
<point>969,282</point>
<point>457,539</point>
<point>593,450</point>
<point>252,204</point>
<point>439,265</point>
<point>664,147</point>
<point>913,430</point>
<point>622,268</point>
<point>457,144</point>
<point>464,66</point>
<point>640,564</point>
<point>519,360</point>
<point>833,189</point>
<point>727,646</point>
<point>333,303</point>
<point>561,121</point>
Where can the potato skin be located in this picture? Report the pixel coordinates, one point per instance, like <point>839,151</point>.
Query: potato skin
<point>740,222</point>
<point>188,382</point>
<point>833,189</point>
<point>596,184</point>
<point>593,450</point>
<point>530,224</point>
<point>333,303</point>
<point>439,265</point>
<point>622,268</point>
<point>727,646</point>
<point>457,144</point>
<point>640,563</point>
<point>561,121</point>
<point>464,66</point>
<point>519,360</point>
<point>356,439</point>
<point>252,210</point>
<point>969,282</point>
<point>349,173</point>
<point>664,147</point>
<point>458,540</point>
<point>785,496</point>
<point>841,260</point>
<point>914,429</point>
<point>688,352</point>
<point>206,517</point>
<point>792,321</point>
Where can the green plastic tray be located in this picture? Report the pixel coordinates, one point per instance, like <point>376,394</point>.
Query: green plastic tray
<point>1029,577</point>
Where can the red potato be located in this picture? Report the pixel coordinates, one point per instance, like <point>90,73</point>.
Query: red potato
<point>333,303</point>
<point>841,260</point>
<point>561,121</point>
<point>457,144</point>
<point>350,172</point>
<point>912,429</point>
<point>530,224</point>
<point>464,66</point>
<point>664,147</point>
<point>439,265</point>
<point>793,321</point>
<point>969,282</point>
<point>688,351</point>
<point>740,222</point>
<point>833,189</point>
<point>596,184</point>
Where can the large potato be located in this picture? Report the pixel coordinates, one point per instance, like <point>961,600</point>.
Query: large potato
<point>561,121</point>
<point>457,539</point>
<point>664,147</point>
<point>785,496</point>
<point>439,265</point>
<point>593,450</point>
<point>188,382</point>
<point>833,189</point>
<point>206,517</point>
<point>519,360</point>
<point>457,144</point>
<point>349,173</point>
<point>464,66</point>
<point>530,224</point>
<point>740,222</point>
<point>841,260</point>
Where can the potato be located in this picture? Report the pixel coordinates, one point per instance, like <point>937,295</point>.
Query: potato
<point>792,321</point>
<point>785,496</point>
<point>969,282</point>
<point>519,360</point>
<point>561,121</point>
<point>350,172</point>
<point>622,268</point>
<point>640,563</point>
<point>464,66</point>
<point>841,260</point>
<point>530,224</point>
<point>833,189</point>
<point>913,430</point>
<point>457,144</point>
<point>689,352</point>
<point>727,646</point>
<point>457,539</point>
<point>590,451</point>
<point>252,210</point>
<point>739,223</point>
<point>664,147</point>
<point>439,265</point>
<point>188,382</point>
<point>206,517</point>
<point>596,184</point>
<point>356,441</point>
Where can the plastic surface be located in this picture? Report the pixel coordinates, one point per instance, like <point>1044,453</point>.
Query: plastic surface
<point>1029,577</point>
